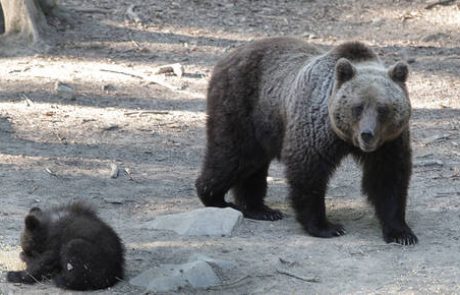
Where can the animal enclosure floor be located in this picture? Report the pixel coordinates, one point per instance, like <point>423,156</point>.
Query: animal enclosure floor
<point>55,148</point>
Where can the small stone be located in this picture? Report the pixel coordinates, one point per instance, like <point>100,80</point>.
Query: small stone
<point>378,22</point>
<point>64,90</point>
<point>114,170</point>
<point>172,69</point>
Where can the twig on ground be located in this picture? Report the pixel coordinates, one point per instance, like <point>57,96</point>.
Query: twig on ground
<point>50,172</point>
<point>62,139</point>
<point>441,2</point>
<point>141,113</point>
<point>27,100</point>
<point>111,127</point>
<point>296,276</point>
<point>121,73</point>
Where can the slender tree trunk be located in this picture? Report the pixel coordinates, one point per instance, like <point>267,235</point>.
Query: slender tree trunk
<point>26,27</point>
<point>24,20</point>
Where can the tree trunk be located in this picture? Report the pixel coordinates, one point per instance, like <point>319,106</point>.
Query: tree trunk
<point>25,22</point>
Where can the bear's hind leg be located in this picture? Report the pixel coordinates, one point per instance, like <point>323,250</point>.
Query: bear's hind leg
<point>85,267</point>
<point>249,193</point>
<point>217,177</point>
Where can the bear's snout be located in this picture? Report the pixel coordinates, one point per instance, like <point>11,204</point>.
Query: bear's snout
<point>367,136</point>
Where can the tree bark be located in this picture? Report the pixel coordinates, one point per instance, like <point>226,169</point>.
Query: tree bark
<point>25,21</point>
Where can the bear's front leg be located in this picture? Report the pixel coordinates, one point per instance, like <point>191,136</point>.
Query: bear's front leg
<point>386,176</point>
<point>308,179</point>
<point>37,268</point>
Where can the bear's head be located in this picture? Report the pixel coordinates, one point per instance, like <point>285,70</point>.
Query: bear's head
<point>33,238</point>
<point>369,104</point>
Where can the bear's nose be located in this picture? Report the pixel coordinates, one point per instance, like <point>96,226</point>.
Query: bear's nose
<point>367,136</point>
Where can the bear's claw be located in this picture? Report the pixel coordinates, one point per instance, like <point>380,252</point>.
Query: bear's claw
<point>328,230</point>
<point>405,237</point>
<point>264,213</point>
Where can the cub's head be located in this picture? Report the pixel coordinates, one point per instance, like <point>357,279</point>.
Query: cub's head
<point>369,104</point>
<point>34,236</point>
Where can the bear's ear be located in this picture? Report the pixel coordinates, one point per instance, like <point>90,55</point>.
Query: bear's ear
<point>399,72</point>
<point>344,71</point>
<point>32,222</point>
<point>35,210</point>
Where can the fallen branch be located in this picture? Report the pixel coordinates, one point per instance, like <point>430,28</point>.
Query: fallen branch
<point>155,80</point>
<point>441,2</point>
<point>140,113</point>
<point>296,276</point>
<point>121,73</point>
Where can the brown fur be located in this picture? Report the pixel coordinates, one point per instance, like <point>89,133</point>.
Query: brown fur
<point>71,245</point>
<point>283,98</point>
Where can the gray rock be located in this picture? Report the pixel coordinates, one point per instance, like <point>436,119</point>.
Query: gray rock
<point>64,90</point>
<point>198,272</point>
<point>205,221</point>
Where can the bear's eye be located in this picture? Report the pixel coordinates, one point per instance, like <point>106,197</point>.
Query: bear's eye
<point>357,110</point>
<point>382,110</point>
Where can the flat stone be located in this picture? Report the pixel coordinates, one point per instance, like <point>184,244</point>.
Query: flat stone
<point>197,273</point>
<point>208,221</point>
<point>64,90</point>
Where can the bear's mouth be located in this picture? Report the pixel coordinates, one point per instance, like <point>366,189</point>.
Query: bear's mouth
<point>367,147</point>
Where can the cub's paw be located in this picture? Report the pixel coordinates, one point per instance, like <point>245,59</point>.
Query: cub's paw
<point>264,213</point>
<point>19,277</point>
<point>14,276</point>
<point>325,229</point>
<point>403,236</point>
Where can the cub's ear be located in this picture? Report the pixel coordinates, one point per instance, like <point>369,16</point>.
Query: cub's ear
<point>344,71</point>
<point>35,210</point>
<point>399,72</point>
<point>32,222</point>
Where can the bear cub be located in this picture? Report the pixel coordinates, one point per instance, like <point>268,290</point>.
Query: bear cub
<point>286,99</point>
<point>71,245</point>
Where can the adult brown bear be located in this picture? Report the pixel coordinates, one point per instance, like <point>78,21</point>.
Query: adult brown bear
<point>282,98</point>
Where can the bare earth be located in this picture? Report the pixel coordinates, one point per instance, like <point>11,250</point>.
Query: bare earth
<point>55,149</point>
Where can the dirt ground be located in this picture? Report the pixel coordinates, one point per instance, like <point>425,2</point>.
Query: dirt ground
<point>56,148</point>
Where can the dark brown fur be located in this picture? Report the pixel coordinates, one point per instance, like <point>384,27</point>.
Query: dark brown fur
<point>72,246</point>
<point>354,51</point>
<point>272,99</point>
